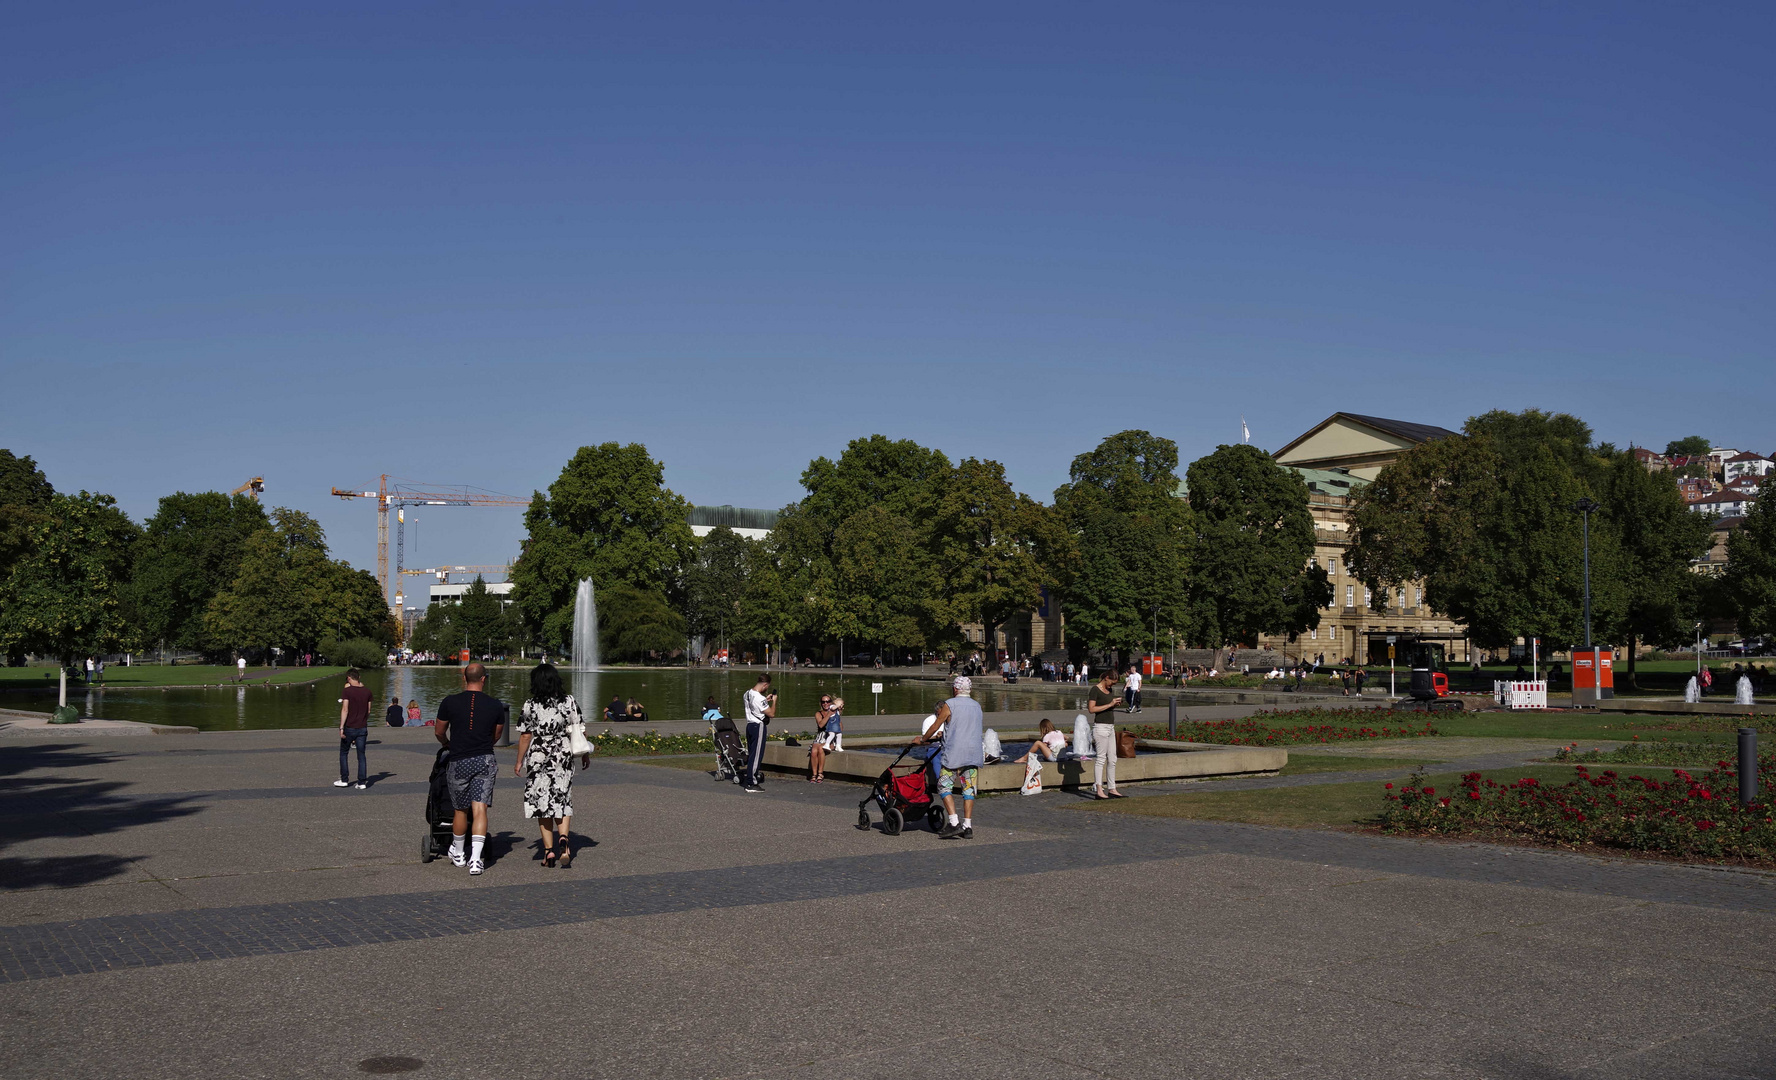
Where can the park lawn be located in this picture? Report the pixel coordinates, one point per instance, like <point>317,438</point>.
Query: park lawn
<point>1301,764</point>
<point>155,675</point>
<point>1314,806</point>
<point>1581,727</point>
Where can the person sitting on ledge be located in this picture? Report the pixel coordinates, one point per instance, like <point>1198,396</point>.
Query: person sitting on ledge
<point>636,712</point>
<point>615,711</point>
<point>1049,744</point>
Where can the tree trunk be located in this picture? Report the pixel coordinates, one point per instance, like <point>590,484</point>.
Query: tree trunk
<point>1633,680</point>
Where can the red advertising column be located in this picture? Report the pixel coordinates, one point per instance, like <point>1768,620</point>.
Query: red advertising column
<point>1593,675</point>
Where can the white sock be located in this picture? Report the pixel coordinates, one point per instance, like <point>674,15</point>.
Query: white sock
<point>953,819</point>
<point>456,843</point>
<point>968,823</point>
<point>475,846</point>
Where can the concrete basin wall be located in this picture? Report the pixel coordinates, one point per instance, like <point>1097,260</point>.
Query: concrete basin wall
<point>1166,760</point>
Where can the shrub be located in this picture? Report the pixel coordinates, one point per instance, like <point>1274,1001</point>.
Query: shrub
<point>355,652</point>
<point>1683,816</point>
<point>1662,752</point>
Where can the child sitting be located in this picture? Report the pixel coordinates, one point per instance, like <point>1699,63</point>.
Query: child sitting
<point>1049,744</point>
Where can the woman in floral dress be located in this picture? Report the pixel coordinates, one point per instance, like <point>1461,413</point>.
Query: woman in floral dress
<point>545,759</point>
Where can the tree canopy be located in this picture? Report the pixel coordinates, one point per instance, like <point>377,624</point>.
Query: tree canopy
<point>609,516</point>
<point>288,594</point>
<point>191,550</point>
<point>1750,580</point>
<point>65,593</point>
<point>1254,541</point>
<point>1128,561</point>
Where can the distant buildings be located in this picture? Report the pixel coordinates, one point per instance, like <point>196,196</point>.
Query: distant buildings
<point>1745,464</point>
<point>749,523</point>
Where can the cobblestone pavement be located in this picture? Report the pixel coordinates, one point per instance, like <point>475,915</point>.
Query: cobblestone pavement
<point>196,905</point>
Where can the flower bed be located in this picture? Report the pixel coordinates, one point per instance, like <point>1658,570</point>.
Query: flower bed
<point>1683,816</point>
<point>652,742</point>
<point>1278,727</point>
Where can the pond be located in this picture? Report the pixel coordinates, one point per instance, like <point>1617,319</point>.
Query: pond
<point>669,695</point>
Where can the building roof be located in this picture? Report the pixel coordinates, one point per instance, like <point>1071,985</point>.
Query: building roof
<point>1749,455</point>
<point>1329,481</point>
<point>1400,431</point>
<point>1404,429</point>
<point>734,517</point>
<point>1726,497</point>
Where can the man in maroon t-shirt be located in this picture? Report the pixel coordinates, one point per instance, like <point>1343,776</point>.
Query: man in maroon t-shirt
<point>354,727</point>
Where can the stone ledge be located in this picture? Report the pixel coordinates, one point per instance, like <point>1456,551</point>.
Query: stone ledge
<point>1186,760</point>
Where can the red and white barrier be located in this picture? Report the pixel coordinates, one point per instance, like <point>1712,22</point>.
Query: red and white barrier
<point>1521,695</point>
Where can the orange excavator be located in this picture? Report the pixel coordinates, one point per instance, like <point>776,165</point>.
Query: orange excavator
<point>254,487</point>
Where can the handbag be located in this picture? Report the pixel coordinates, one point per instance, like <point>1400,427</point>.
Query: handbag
<point>1125,744</point>
<point>577,742</point>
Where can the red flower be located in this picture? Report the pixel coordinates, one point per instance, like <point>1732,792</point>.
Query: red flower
<point>1473,794</point>
<point>1390,787</point>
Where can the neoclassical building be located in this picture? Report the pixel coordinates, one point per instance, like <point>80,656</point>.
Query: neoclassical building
<point>1337,458</point>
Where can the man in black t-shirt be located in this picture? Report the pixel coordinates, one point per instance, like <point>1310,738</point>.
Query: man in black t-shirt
<point>470,723</point>
<point>354,727</point>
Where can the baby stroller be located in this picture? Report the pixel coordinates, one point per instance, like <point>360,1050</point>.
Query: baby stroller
<point>730,750</point>
<point>440,812</point>
<point>902,791</point>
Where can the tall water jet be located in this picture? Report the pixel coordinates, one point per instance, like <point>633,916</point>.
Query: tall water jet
<point>585,639</point>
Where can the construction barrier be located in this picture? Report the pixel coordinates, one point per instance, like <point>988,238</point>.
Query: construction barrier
<point>1521,695</point>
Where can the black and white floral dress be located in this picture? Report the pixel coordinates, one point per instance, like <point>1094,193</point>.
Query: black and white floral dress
<point>548,789</point>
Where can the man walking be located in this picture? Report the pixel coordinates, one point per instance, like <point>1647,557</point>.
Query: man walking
<point>961,727</point>
<point>470,723</point>
<point>1131,686</point>
<point>761,706</point>
<point>354,727</point>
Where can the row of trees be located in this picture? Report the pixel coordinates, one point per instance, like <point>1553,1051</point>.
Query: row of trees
<point>208,573</point>
<point>897,547</point>
<point>1487,522</point>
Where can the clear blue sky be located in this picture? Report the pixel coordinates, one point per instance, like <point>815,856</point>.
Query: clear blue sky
<point>454,242</point>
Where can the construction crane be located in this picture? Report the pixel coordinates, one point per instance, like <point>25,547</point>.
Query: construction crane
<point>399,496</point>
<point>253,487</point>
<point>442,573</point>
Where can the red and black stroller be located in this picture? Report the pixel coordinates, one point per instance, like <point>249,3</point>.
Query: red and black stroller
<point>903,792</point>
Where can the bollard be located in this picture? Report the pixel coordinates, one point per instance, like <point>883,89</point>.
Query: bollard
<point>1172,721</point>
<point>1748,767</point>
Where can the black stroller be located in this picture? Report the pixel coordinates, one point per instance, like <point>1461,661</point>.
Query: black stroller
<point>730,750</point>
<point>440,813</point>
<point>903,795</point>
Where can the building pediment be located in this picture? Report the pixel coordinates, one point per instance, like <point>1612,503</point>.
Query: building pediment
<point>1360,445</point>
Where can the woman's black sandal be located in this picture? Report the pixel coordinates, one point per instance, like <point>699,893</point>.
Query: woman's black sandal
<point>566,852</point>
<point>548,858</point>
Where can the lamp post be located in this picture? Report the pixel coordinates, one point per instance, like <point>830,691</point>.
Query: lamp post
<point>1585,507</point>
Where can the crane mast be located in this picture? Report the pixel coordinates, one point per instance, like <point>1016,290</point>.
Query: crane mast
<point>399,496</point>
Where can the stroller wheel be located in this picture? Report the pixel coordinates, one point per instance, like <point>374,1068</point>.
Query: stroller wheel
<point>893,822</point>
<point>934,817</point>
<point>862,818</point>
<point>426,853</point>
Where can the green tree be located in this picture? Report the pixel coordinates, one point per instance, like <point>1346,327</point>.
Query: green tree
<point>715,584</point>
<point>881,591</point>
<point>995,549</point>
<point>1254,540</point>
<point>436,632</point>
<point>25,495</point>
<point>1129,560</point>
<point>1749,584</point>
<point>632,623</point>
<point>191,550</point>
<point>288,594</point>
<point>1688,446</point>
<point>1658,538</point>
<point>768,613</point>
<point>480,619</point>
<point>609,517</point>
<point>64,595</point>
<point>1486,521</point>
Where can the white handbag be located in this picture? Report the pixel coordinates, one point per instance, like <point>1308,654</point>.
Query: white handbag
<point>577,742</point>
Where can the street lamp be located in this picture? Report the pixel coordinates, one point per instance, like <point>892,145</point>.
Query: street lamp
<point>1585,507</point>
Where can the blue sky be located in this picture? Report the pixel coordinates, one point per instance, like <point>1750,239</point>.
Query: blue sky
<point>454,242</point>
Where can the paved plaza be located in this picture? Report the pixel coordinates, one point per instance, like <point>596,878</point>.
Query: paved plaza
<point>208,906</point>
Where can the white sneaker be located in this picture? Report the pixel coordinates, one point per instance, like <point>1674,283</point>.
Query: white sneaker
<point>476,866</point>
<point>340,783</point>
<point>457,858</point>
<point>361,787</point>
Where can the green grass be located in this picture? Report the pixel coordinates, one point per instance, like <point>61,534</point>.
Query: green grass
<point>1680,754</point>
<point>1316,806</point>
<point>154,675</point>
<point>1302,764</point>
<point>1579,727</point>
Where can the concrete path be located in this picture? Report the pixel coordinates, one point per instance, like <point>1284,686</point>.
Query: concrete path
<point>209,906</point>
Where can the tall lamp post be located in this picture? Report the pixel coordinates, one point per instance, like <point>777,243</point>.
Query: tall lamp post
<point>1585,507</point>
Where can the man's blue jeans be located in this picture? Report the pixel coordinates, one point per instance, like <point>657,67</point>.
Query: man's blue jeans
<point>354,736</point>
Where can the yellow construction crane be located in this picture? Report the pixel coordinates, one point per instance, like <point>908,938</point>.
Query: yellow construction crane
<point>443,572</point>
<point>254,487</point>
<point>402,495</point>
